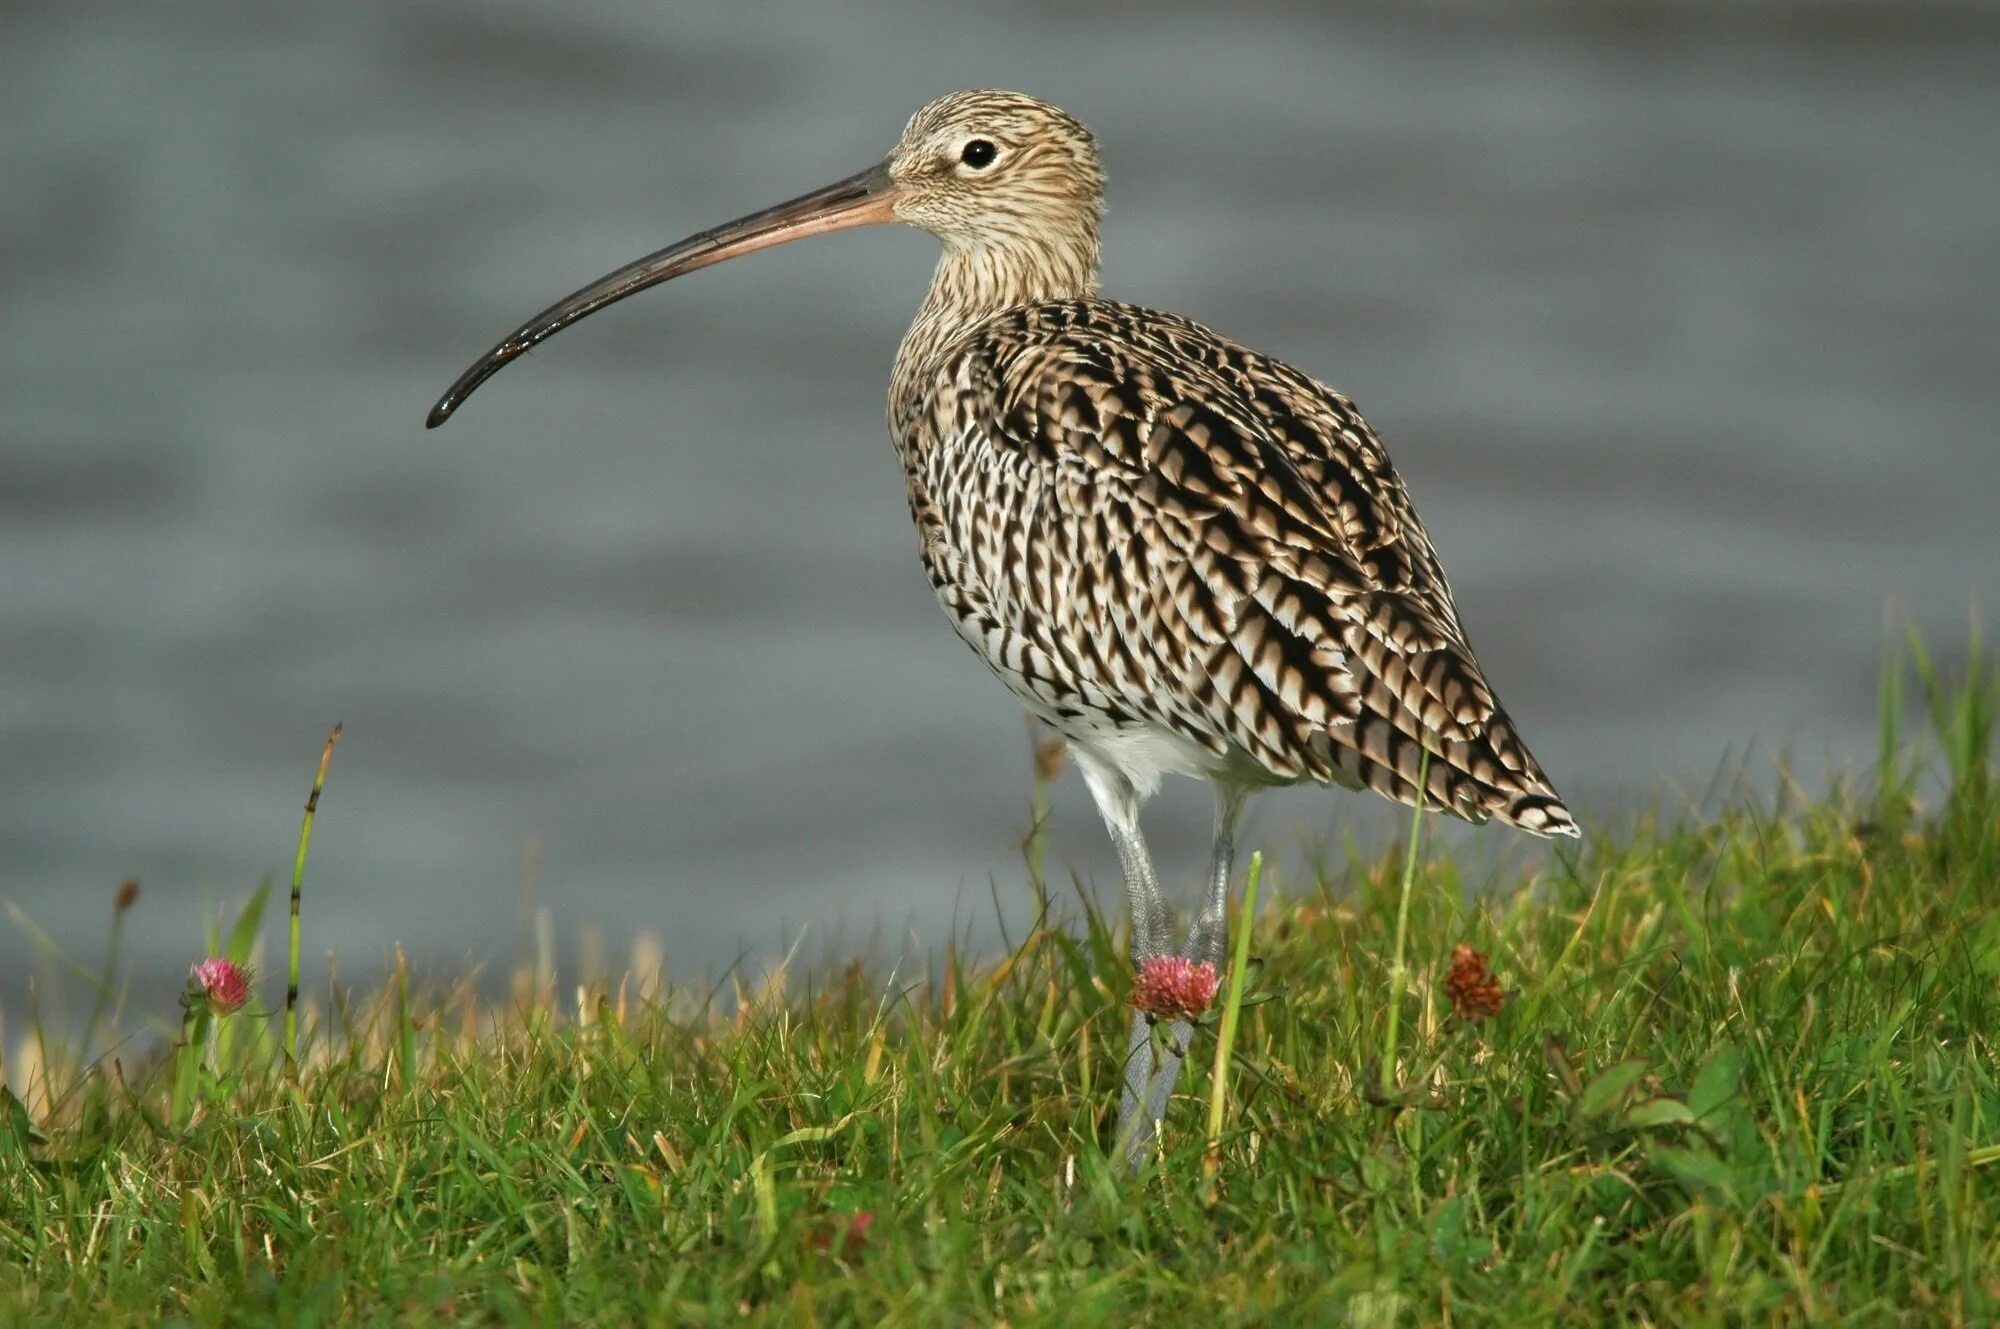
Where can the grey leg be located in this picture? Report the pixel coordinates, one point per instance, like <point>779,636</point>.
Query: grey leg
<point>1137,1129</point>
<point>1206,940</point>
<point>1152,921</point>
<point>1152,931</point>
<point>1152,926</point>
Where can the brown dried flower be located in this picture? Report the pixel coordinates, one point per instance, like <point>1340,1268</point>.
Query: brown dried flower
<point>128,894</point>
<point>1474,992</point>
<point>1049,754</point>
<point>842,1239</point>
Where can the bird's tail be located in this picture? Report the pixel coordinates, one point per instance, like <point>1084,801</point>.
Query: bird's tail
<point>1488,775</point>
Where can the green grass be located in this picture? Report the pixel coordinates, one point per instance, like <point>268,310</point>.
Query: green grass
<point>1747,1076</point>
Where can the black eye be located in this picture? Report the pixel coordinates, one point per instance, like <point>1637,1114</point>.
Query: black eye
<point>979,154</point>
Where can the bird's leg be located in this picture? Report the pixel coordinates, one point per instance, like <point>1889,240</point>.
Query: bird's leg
<point>1152,921</point>
<point>1152,930</point>
<point>1206,940</point>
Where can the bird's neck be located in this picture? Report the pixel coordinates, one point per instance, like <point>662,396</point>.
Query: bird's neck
<point>970,286</point>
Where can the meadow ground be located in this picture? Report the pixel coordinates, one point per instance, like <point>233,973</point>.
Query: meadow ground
<point>1745,1073</point>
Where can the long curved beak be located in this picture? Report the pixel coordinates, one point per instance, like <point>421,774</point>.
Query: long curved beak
<point>860,200</point>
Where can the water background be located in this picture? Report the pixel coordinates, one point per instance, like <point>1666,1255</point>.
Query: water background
<point>1681,322</point>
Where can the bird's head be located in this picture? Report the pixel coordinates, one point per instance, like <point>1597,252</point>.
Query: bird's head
<point>988,169</point>
<point>1011,185</point>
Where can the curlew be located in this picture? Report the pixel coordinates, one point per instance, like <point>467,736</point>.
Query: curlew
<point>1181,555</point>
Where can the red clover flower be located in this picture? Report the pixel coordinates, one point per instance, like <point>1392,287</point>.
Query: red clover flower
<point>1174,988</point>
<point>224,985</point>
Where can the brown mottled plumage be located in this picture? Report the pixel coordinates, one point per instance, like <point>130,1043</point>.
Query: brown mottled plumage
<point>1180,554</point>
<point>1143,526</point>
<point>1148,529</point>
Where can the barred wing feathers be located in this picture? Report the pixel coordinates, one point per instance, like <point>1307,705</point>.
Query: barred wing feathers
<point>1161,527</point>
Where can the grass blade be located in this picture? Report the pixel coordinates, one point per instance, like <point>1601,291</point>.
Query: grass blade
<point>1232,1010</point>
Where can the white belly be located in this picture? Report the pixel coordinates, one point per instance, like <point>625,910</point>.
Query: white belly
<point>1140,753</point>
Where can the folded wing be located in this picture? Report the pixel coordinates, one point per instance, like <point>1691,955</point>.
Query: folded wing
<point>1185,534</point>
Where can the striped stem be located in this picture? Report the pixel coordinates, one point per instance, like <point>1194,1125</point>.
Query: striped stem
<point>298,882</point>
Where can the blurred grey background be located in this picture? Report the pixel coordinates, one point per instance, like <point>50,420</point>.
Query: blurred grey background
<point>1680,319</point>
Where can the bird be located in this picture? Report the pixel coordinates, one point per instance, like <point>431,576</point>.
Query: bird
<point>1179,554</point>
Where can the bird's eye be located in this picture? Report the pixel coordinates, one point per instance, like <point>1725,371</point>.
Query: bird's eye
<point>978,154</point>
